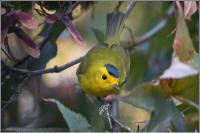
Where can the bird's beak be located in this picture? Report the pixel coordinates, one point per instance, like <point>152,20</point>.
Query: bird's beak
<point>116,86</point>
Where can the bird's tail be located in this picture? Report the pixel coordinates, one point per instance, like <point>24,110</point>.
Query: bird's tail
<point>115,23</point>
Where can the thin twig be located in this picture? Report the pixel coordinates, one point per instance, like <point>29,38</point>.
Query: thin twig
<point>151,33</point>
<point>129,8</point>
<point>115,102</point>
<point>54,69</point>
<point>158,27</point>
<point>5,72</point>
<point>115,114</point>
<point>15,94</point>
<point>71,8</point>
<point>187,101</point>
<point>118,6</point>
<point>121,125</point>
<point>34,73</point>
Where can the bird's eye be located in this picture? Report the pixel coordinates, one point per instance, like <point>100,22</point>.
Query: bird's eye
<point>104,77</point>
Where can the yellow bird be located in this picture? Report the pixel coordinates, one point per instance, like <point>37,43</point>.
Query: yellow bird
<point>104,68</point>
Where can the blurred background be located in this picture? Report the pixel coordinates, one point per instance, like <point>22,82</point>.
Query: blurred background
<point>148,62</point>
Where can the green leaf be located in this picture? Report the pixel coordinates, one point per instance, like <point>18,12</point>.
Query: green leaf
<point>47,53</point>
<point>195,62</point>
<point>98,34</point>
<point>186,87</point>
<point>191,115</point>
<point>57,29</point>
<point>97,123</point>
<point>154,99</point>
<point>75,121</point>
<point>182,43</point>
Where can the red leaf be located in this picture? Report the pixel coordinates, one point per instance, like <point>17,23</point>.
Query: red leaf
<point>52,18</point>
<point>26,19</point>
<point>177,44</point>
<point>190,7</point>
<point>73,31</point>
<point>52,100</point>
<point>3,11</point>
<point>183,45</point>
<point>27,43</point>
<point>5,26</point>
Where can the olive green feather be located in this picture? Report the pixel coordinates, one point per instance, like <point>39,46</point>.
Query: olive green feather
<point>115,24</point>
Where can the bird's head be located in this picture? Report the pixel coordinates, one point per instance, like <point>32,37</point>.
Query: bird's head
<point>107,77</point>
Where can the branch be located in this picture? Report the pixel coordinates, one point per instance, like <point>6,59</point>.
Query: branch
<point>115,103</point>
<point>72,7</point>
<point>46,39</point>
<point>150,34</point>
<point>129,8</point>
<point>120,124</point>
<point>34,73</point>
<point>16,93</point>
<point>118,6</point>
<point>158,27</point>
<point>183,99</point>
<point>54,69</point>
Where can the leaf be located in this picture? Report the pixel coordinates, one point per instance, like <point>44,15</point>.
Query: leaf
<point>98,34</point>
<point>26,19</point>
<point>58,28</point>
<point>75,34</point>
<point>3,11</point>
<point>190,7</point>
<point>75,121</point>
<point>191,115</point>
<point>178,69</point>
<point>195,63</point>
<point>5,26</point>
<point>183,46</point>
<point>51,18</point>
<point>188,88</point>
<point>97,123</point>
<point>28,44</point>
<point>152,98</point>
<point>48,52</point>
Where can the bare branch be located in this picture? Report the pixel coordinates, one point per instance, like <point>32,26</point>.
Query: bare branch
<point>121,125</point>
<point>151,33</point>
<point>129,7</point>
<point>55,69</point>
<point>158,27</point>
<point>118,6</point>
<point>187,101</point>
<point>5,72</point>
<point>15,94</point>
<point>115,103</point>
<point>72,7</point>
<point>115,114</point>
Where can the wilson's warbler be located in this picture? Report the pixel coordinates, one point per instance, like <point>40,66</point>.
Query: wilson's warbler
<point>104,68</point>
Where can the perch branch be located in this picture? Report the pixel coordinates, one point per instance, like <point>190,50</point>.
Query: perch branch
<point>129,7</point>
<point>34,73</point>
<point>151,33</point>
<point>115,103</point>
<point>15,94</point>
<point>46,39</point>
<point>120,124</point>
<point>54,69</point>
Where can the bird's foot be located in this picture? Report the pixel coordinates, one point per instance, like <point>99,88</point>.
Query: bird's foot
<point>105,108</point>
